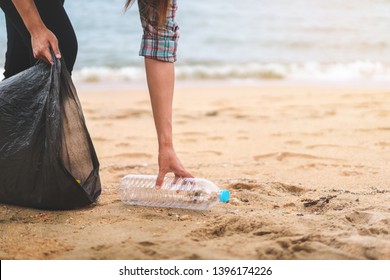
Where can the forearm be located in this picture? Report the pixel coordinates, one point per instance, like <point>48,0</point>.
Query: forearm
<point>30,15</point>
<point>161,79</point>
<point>42,39</point>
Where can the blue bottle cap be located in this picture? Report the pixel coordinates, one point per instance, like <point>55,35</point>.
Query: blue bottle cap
<point>224,195</point>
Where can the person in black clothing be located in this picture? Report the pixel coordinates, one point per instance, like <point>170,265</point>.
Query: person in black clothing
<point>33,27</point>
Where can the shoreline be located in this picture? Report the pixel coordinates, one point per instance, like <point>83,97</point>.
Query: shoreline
<point>141,84</point>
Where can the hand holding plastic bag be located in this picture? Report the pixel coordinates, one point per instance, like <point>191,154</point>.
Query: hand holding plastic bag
<point>47,158</point>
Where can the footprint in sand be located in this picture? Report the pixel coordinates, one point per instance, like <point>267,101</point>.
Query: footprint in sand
<point>101,247</point>
<point>313,133</point>
<point>216,138</point>
<point>130,114</point>
<point>262,233</point>
<point>230,109</point>
<point>131,155</point>
<point>313,165</point>
<point>185,117</point>
<point>226,227</point>
<point>373,231</point>
<point>383,144</point>
<point>245,186</point>
<point>350,173</point>
<point>190,140</point>
<point>119,168</point>
<point>280,134</point>
<point>359,218</point>
<point>285,188</point>
<point>146,248</point>
<point>191,133</point>
<point>266,187</point>
<point>280,156</point>
<point>377,113</point>
<point>146,243</point>
<point>212,114</point>
<point>320,115</point>
<point>213,153</point>
<point>94,117</point>
<point>293,142</point>
<point>373,129</point>
<point>100,139</point>
<point>310,147</point>
<point>262,117</point>
<point>135,155</point>
<point>122,145</point>
<point>89,111</point>
<point>241,116</point>
<point>188,137</point>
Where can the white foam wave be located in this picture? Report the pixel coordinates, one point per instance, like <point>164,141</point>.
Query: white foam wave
<point>106,74</point>
<point>309,71</point>
<point>314,71</point>
<point>359,70</point>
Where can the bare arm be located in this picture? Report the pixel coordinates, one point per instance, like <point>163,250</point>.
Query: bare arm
<point>41,37</point>
<point>161,79</point>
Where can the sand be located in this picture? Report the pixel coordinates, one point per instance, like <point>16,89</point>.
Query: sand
<point>307,167</point>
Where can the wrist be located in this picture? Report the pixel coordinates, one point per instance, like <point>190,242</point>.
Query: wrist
<point>37,29</point>
<point>165,146</point>
<point>165,140</point>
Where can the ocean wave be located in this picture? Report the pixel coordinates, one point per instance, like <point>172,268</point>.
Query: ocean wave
<point>312,71</point>
<point>315,71</point>
<point>358,70</point>
<point>107,74</point>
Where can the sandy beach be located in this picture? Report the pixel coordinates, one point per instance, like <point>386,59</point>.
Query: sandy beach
<point>308,168</point>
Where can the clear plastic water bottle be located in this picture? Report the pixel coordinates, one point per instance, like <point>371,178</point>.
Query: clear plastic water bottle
<point>187,193</point>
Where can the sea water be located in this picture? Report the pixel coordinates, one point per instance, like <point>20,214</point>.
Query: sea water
<point>246,39</point>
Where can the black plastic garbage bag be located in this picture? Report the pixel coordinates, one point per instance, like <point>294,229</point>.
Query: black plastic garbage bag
<point>47,158</point>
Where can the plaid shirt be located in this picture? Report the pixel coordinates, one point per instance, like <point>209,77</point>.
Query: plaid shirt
<point>159,43</point>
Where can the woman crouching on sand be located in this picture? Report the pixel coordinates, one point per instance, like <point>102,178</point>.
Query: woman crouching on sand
<point>158,46</point>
